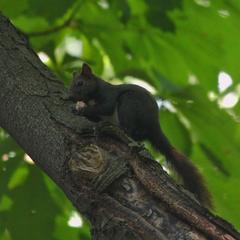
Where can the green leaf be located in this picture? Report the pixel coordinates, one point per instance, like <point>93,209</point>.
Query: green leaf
<point>175,131</point>
<point>216,130</point>
<point>49,9</point>
<point>206,39</point>
<point>34,205</point>
<point>18,177</point>
<point>5,203</point>
<point>7,8</point>
<point>29,25</point>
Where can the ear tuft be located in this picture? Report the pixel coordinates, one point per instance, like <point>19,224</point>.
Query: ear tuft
<point>86,70</point>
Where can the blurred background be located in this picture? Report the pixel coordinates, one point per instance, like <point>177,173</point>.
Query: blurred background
<point>185,52</point>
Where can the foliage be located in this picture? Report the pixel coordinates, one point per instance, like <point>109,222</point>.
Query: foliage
<point>186,50</point>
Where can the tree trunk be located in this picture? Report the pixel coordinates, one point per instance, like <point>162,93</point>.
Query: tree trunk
<point>122,191</point>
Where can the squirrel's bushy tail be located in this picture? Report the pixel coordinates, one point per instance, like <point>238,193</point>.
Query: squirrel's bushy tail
<point>192,178</point>
<point>190,175</point>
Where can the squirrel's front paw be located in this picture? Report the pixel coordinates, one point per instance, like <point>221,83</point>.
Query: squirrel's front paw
<point>77,111</point>
<point>73,109</point>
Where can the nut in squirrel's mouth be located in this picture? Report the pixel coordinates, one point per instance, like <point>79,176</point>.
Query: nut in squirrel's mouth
<point>80,105</point>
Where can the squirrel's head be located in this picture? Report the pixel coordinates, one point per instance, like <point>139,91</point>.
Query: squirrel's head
<point>84,85</point>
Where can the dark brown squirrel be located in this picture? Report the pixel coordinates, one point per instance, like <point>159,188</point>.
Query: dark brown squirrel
<point>136,112</point>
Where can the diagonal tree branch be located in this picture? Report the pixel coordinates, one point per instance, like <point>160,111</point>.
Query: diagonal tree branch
<point>123,193</point>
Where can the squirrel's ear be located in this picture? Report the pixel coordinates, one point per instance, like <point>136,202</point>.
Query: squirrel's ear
<point>86,70</point>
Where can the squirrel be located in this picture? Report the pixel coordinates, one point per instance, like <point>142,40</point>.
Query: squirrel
<point>135,110</point>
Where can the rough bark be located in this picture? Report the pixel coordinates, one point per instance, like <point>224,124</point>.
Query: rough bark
<point>138,201</point>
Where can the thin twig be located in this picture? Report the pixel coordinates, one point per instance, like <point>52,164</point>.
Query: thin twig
<point>65,24</point>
